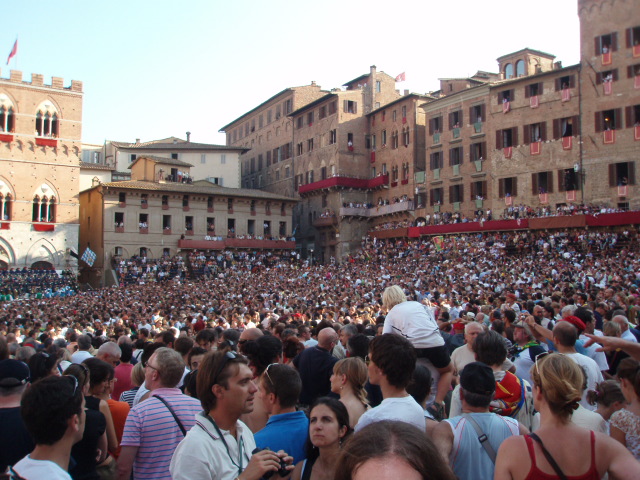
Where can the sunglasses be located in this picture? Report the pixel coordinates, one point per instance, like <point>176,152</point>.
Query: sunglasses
<point>227,357</point>
<point>75,384</point>
<point>266,372</point>
<point>539,356</point>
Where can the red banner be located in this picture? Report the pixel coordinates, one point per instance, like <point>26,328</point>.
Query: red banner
<point>606,58</point>
<point>6,137</point>
<point>566,94</point>
<point>544,198</point>
<point>636,132</point>
<point>534,101</point>
<point>571,196</point>
<point>636,81</point>
<point>44,227</point>
<point>609,136</point>
<point>508,151</point>
<point>567,143</point>
<point>623,190</point>
<point>508,200</point>
<point>534,148</point>
<point>608,87</point>
<point>636,51</point>
<point>506,107</point>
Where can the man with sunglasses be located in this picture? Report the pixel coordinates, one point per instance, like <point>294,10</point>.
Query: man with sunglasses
<point>220,446</point>
<point>53,412</point>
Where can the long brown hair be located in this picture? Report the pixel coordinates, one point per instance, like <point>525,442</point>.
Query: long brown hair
<point>356,372</point>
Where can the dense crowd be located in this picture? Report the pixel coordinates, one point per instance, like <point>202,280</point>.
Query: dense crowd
<point>317,363</point>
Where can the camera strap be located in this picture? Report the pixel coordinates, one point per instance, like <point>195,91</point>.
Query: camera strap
<point>226,445</point>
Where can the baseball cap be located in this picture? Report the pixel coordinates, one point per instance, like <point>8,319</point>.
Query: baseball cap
<point>478,378</point>
<point>13,373</point>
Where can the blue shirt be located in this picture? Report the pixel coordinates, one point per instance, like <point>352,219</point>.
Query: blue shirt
<point>286,431</point>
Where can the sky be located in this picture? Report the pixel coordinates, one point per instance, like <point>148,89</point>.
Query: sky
<point>155,69</point>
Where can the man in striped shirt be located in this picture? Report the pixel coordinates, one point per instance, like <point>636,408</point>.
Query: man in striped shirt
<point>155,426</point>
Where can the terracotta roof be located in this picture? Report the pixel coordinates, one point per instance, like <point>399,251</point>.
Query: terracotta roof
<point>527,49</point>
<point>169,145</point>
<point>96,166</point>
<point>163,160</point>
<point>416,96</point>
<point>312,104</point>
<point>186,188</point>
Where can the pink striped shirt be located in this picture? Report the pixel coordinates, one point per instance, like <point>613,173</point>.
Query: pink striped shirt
<point>151,427</point>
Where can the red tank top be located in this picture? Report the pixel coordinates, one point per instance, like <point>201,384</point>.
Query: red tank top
<point>536,474</point>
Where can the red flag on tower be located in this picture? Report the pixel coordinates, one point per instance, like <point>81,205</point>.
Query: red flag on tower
<point>13,52</point>
<point>401,77</point>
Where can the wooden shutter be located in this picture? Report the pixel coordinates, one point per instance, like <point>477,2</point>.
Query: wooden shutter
<point>355,107</point>
<point>514,136</point>
<point>461,153</point>
<point>451,156</point>
<point>543,131</point>
<point>450,193</point>
<point>599,78</point>
<point>472,191</point>
<point>484,189</point>
<point>527,134</point>
<point>461,117</point>
<point>534,184</point>
<point>561,187</point>
<point>617,118</point>
<point>630,71</point>
<point>629,37</point>
<point>501,188</point>
<point>514,187</point>
<point>431,126</point>
<point>599,122</point>
<point>629,115</point>
<point>498,139</point>
<point>527,93</point>
<point>556,128</point>
<point>597,46</point>
<point>512,95</point>
<point>540,88</point>
<point>549,182</point>
<point>615,75</point>
<point>472,117</point>
<point>575,126</point>
<point>483,110</point>
<point>558,85</point>
<point>450,121</point>
<point>572,81</point>
<point>614,42</point>
<point>632,173</point>
<point>461,194</point>
<point>612,174</point>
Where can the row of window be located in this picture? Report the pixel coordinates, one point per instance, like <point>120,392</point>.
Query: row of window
<point>274,156</point>
<point>477,152</point>
<point>394,115</point>
<point>144,200</point>
<point>609,41</point>
<point>190,225</point>
<point>456,119</point>
<point>43,209</point>
<point>46,121</point>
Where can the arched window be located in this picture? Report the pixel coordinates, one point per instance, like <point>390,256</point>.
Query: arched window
<point>6,204</point>
<point>520,68</point>
<point>44,209</point>
<point>47,124</point>
<point>6,119</point>
<point>508,71</point>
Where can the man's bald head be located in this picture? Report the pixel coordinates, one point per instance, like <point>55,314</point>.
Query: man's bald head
<point>327,338</point>
<point>622,321</point>
<point>251,334</point>
<point>565,334</point>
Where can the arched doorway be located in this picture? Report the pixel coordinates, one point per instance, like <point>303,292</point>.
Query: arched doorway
<point>4,265</point>
<point>42,265</point>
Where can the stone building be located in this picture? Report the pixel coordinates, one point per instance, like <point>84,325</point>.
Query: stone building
<point>40,131</point>
<point>266,135</point>
<point>152,216</point>
<point>610,93</point>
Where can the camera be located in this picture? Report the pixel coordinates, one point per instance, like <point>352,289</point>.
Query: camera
<point>282,471</point>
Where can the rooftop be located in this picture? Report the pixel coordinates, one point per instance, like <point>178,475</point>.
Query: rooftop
<point>173,144</point>
<point>162,160</point>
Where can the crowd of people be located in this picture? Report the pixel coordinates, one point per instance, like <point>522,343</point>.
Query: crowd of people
<point>398,360</point>
<point>37,283</point>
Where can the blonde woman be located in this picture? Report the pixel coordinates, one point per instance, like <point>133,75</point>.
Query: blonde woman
<point>416,322</point>
<point>348,379</point>
<point>550,452</point>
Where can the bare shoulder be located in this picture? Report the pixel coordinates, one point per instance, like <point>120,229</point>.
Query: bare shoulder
<point>297,471</point>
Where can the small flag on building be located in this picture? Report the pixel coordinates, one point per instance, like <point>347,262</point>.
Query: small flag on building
<point>401,77</point>
<point>13,52</point>
<point>89,257</point>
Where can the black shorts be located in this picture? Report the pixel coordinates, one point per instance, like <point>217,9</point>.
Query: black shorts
<point>438,356</point>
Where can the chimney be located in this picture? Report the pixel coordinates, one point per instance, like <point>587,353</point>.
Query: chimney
<point>406,92</point>
<point>373,69</point>
<point>137,140</point>
<point>313,83</point>
<point>188,136</point>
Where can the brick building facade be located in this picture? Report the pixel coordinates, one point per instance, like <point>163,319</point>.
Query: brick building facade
<point>40,130</point>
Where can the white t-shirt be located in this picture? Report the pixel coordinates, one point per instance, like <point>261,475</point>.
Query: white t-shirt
<point>594,375</point>
<point>404,409</point>
<point>80,356</point>
<point>415,322</point>
<point>30,469</point>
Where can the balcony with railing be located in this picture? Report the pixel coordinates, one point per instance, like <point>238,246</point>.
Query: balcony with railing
<point>340,181</point>
<point>378,210</point>
<point>219,243</point>
<point>326,221</point>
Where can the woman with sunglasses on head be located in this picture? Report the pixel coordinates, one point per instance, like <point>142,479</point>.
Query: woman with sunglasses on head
<point>89,452</point>
<point>550,452</point>
<point>328,428</point>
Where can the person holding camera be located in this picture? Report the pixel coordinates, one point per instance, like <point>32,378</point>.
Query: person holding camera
<point>220,446</point>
